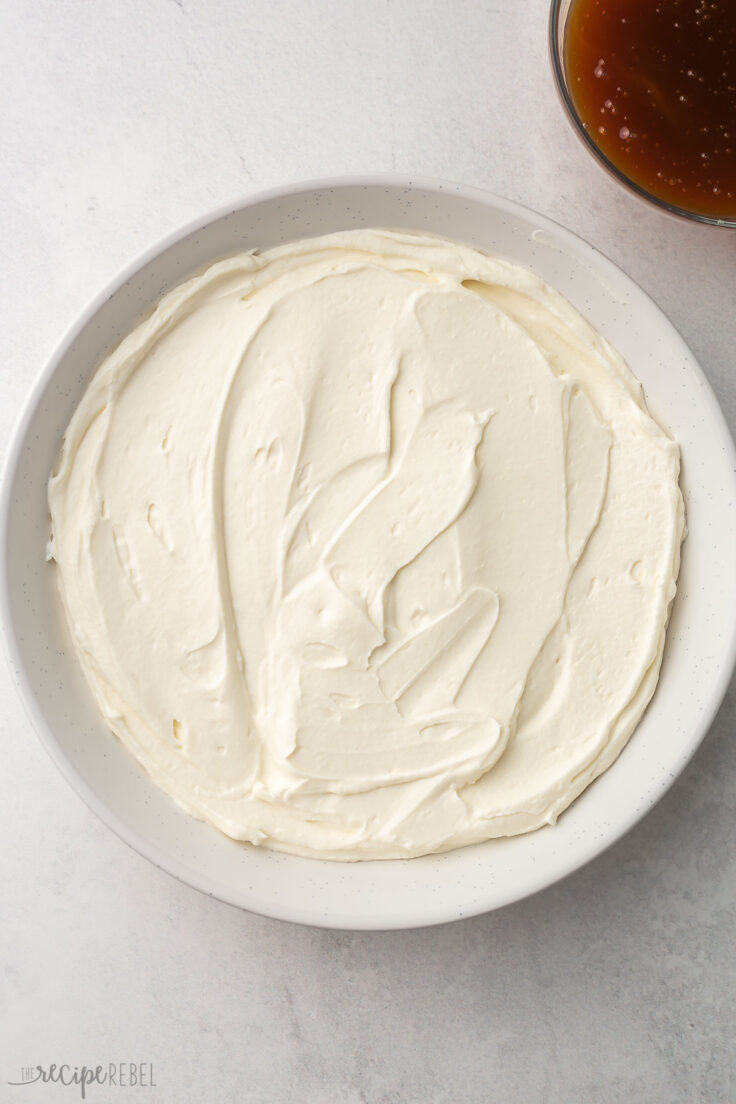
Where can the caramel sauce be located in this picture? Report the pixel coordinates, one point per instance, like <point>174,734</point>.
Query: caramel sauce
<point>654,84</point>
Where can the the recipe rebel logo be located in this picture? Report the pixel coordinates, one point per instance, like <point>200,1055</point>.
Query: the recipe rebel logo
<point>120,1075</point>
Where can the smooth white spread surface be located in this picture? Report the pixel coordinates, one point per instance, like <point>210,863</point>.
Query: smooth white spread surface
<point>367,546</point>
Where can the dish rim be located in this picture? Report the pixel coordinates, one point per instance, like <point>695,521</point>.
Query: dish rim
<point>441,913</point>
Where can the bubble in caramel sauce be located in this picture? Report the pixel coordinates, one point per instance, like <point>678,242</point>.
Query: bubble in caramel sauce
<point>654,84</point>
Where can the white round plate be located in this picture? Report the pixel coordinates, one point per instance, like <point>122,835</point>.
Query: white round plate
<point>701,642</point>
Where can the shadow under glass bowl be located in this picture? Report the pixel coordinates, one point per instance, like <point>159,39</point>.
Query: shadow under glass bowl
<point>558,16</point>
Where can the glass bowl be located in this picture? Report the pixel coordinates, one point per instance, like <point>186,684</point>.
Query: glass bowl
<point>559,12</point>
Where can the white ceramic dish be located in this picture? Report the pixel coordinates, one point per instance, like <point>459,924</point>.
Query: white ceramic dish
<point>701,643</point>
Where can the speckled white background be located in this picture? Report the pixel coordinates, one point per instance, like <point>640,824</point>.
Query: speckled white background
<point>121,120</point>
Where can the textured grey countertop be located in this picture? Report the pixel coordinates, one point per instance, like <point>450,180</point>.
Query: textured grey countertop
<point>120,121</point>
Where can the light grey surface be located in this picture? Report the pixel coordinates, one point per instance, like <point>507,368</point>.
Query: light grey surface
<point>120,121</point>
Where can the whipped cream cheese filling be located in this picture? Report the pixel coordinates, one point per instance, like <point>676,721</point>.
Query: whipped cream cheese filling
<point>367,546</point>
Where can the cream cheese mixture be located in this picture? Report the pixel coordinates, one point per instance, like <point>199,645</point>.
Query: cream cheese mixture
<point>367,546</point>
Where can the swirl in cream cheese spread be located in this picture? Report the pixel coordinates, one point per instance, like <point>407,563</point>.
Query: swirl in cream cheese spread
<point>367,546</point>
